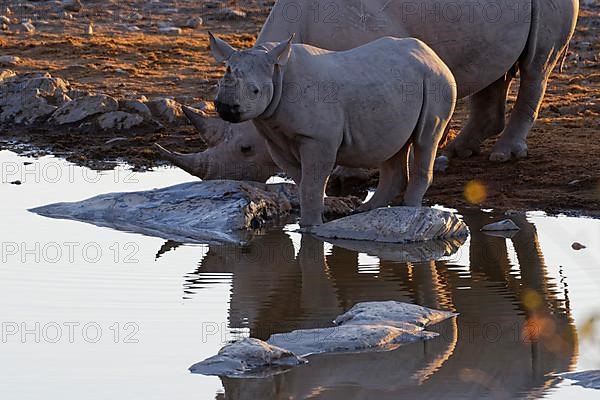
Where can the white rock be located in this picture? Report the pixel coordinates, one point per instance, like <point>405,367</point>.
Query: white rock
<point>82,107</point>
<point>231,13</point>
<point>207,211</point>
<point>192,23</point>
<point>10,61</point>
<point>373,326</point>
<point>392,313</point>
<point>504,225</point>
<point>136,106</point>
<point>245,357</point>
<point>28,27</point>
<point>348,338</point>
<point>167,110</point>
<point>395,225</point>
<point>29,98</point>
<point>170,30</point>
<point>6,73</point>
<point>119,120</point>
<point>4,19</point>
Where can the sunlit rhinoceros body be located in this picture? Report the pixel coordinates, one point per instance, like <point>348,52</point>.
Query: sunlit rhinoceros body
<point>408,92</point>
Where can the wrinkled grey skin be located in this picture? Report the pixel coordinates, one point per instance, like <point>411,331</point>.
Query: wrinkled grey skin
<point>409,91</point>
<point>483,43</point>
<point>236,151</point>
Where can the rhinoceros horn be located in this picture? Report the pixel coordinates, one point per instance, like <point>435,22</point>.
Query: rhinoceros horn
<point>208,128</point>
<point>193,163</point>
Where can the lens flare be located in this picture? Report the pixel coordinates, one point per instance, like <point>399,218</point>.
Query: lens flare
<point>475,192</point>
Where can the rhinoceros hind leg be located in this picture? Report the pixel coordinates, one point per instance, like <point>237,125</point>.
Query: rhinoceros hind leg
<point>424,152</point>
<point>393,177</point>
<point>553,25</point>
<point>486,118</point>
<point>513,142</point>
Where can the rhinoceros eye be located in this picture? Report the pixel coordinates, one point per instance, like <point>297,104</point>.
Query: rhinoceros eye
<point>246,150</point>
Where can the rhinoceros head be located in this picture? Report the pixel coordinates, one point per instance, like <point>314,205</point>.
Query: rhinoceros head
<point>246,90</point>
<point>235,151</point>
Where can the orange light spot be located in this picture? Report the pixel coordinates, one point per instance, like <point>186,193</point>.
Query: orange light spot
<point>475,192</point>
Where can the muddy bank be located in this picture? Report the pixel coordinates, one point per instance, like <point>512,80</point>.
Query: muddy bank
<point>130,53</point>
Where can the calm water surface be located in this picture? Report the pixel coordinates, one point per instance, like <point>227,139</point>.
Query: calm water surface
<point>94,313</point>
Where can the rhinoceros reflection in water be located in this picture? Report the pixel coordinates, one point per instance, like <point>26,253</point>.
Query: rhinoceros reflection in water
<point>514,328</point>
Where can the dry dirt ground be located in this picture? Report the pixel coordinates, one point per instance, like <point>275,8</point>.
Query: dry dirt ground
<point>561,173</point>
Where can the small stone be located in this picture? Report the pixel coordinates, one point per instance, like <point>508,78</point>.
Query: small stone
<point>578,246</point>
<point>231,13</point>
<point>504,225</point>
<point>4,19</point>
<point>78,93</point>
<point>133,29</point>
<point>170,30</point>
<point>168,110</point>
<point>119,120</point>
<point>72,5</point>
<point>6,73</point>
<point>10,61</point>
<point>28,27</point>
<point>192,23</point>
<point>89,30</point>
<point>135,106</point>
<point>441,164</point>
<point>4,27</point>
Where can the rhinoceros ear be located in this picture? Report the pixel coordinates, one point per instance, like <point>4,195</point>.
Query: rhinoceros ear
<point>281,53</point>
<point>221,50</point>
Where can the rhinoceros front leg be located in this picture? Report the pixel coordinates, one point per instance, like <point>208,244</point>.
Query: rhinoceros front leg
<point>317,160</point>
<point>486,118</point>
<point>393,177</point>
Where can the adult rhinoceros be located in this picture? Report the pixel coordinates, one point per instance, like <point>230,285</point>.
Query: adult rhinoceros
<point>483,42</point>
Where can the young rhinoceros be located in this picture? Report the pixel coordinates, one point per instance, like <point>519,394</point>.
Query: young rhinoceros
<point>363,107</point>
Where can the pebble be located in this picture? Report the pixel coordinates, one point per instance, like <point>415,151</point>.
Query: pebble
<point>28,27</point>
<point>170,30</point>
<point>578,246</point>
<point>192,23</point>
<point>231,13</point>
<point>10,61</point>
<point>4,19</point>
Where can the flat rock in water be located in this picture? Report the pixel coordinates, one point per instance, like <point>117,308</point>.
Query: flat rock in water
<point>393,313</point>
<point>395,225</point>
<point>349,338</point>
<point>370,326</point>
<point>205,211</point>
<point>246,357</point>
